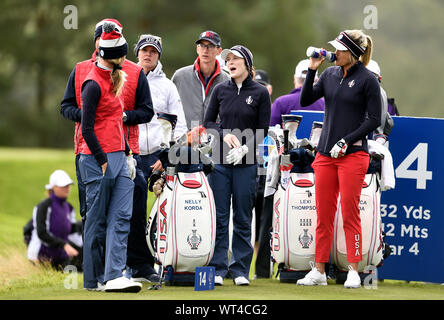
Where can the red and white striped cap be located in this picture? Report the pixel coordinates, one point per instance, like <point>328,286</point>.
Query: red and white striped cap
<point>112,44</point>
<point>99,25</point>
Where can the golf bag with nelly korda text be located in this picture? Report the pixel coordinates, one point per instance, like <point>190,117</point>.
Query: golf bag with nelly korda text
<point>374,248</point>
<point>181,229</point>
<point>294,213</point>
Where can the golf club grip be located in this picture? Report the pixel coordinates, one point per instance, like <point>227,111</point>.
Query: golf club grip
<point>286,141</point>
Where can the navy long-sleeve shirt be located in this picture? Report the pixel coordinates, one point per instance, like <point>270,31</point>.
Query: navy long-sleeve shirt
<point>245,110</point>
<point>352,105</point>
<point>143,106</point>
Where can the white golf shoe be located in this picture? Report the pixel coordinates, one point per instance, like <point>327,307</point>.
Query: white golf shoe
<point>218,281</point>
<point>313,278</point>
<point>353,279</point>
<point>122,284</point>
<point>241,281</point>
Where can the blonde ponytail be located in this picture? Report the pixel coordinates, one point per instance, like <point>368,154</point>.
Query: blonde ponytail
<point>118,76</point>
<point>366,57</point>
<point>364,41</point>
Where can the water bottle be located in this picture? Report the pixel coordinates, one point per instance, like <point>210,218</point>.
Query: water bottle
<point>317,52</point>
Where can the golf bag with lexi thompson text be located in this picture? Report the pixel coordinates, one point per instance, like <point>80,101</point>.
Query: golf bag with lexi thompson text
<point>294,205</point>
<point>374,248</point>
<point>181,229</point>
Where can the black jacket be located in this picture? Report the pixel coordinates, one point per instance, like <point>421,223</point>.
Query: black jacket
<point>246,110</point>
<point>352,105</point>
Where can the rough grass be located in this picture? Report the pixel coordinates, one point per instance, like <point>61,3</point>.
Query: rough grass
<point>24,173</point>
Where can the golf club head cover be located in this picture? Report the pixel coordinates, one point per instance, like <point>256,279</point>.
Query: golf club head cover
<point>168,123</point>
<point>156,175</point>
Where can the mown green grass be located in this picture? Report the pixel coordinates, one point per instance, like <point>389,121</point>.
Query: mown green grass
<point>24,173</point>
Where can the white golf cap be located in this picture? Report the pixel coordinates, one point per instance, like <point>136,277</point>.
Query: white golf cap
<point>302,68</point>
<point>58,178</point>
<point>373,66</point>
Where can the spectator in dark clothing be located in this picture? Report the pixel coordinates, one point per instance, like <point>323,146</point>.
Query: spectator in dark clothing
<point>262,77</point>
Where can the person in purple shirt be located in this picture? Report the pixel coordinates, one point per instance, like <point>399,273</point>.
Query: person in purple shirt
<point>54,220</point>
<point>286,103</point>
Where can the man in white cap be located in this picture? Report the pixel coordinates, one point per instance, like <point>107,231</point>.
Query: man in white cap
<point>286,103</point>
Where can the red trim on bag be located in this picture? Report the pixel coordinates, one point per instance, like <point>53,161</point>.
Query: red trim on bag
<point>193,184</point>
<point>303,183</point>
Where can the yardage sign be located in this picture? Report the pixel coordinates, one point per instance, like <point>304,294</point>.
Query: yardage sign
<point>204,278</point>
<point>413,212</point>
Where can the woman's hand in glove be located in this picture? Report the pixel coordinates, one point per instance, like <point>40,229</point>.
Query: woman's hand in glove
<point>235,155</point>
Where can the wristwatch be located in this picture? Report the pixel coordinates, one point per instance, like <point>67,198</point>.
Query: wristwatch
<point>124,117</point>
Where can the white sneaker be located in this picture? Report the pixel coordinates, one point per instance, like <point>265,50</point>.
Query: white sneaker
<point>122,284</point>
<point>353,279</point>
<point>241,281</point>
<point>313,278</point>
<point>218,281</point>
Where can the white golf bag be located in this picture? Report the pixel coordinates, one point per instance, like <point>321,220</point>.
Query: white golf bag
<point>181,229</point>
<point>294,209</point>
<point>186,223</point>
<point>372,239</point>
<point>374,248</point>
<point>294,223</point>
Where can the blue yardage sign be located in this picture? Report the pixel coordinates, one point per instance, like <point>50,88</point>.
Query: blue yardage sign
<point>413,212</point>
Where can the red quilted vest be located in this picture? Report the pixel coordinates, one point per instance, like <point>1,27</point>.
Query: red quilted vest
<point>129,96</point>
<point>108,125</point>
<point>82,70</point>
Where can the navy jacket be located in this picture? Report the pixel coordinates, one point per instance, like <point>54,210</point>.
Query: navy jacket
<point>245,110</point>
<point>352,106</point>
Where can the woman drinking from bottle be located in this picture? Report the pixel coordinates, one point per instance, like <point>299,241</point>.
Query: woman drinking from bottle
<point>352,111</point>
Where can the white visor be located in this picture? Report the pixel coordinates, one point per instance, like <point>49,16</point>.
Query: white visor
<point>226,52</point>
<point>338,46</point>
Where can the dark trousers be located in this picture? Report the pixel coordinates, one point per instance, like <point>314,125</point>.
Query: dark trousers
<point>263,258</point>
<point>238,184</point>
<point>139,257</point>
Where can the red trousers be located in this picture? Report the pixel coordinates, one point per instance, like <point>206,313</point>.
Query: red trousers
<point>342,176</point>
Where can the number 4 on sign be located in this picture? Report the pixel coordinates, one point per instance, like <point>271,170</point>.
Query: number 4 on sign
<point>421,175</point>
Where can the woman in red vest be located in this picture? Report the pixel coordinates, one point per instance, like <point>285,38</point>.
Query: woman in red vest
<point>106,166</point>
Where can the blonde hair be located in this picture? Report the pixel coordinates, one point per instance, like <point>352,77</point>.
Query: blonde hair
<point>118,76</point>
<point>364,41</point>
